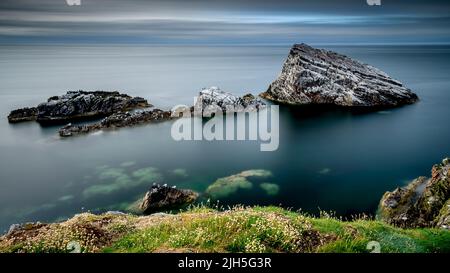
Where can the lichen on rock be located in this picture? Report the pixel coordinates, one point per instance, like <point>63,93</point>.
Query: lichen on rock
<point>443,219</point>
<point>422,203</point>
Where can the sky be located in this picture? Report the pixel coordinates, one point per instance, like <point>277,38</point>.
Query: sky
<point>225,22</point>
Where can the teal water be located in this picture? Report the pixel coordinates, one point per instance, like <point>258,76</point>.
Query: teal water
<point>329,159</point>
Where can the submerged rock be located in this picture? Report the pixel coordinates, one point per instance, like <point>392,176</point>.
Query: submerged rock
<point>111,180</point>
<point>160,198</point>
<point>78,105</point>
<point>117,120</point>
<point>226,186</point>
<point>270,188</point>
<point>423,203</point>
<point>212,100</point>
<point>317,76</point>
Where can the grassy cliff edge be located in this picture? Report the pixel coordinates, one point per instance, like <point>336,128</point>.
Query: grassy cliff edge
<point>202,229</point>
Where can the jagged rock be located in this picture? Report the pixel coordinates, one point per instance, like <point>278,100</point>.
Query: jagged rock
<point>13,228</point>
<point>211,100</point>
<point>17,230</point>
<point>117,120</point>
<point>316,76</point>
<point>24,114</point>
<point>443,219</point>
<point>160,198</point>
<point>78,105</point>
<point>423,203</point>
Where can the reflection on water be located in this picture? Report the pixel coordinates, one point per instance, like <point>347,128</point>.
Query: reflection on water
<point>332,159</point>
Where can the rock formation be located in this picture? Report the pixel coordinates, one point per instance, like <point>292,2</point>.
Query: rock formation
<point>212,100</point>
<point>117,120</point>
<point>24,114</point>
<point>114,107</point>
<point>425,202</point>
<point>316,76</point>
<point>160,198</point>
<point>78,105</point>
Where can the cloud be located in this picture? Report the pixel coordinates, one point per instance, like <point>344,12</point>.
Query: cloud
<point>245,21</point>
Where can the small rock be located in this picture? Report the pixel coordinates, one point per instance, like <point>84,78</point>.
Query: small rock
<point>160,198</point>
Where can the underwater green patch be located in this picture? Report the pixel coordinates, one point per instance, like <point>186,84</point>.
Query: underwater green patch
<point>110,180</point>
<point>127,164</point>
<point>180,172</point>
<point>270,188</point>
<point>149,174</point>
<point>226,186</point>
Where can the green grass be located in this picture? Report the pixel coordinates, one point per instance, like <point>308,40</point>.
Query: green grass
<point>354,236</point>
<point>272,229</point>
<point>237,230</point>
<point>203,229</point>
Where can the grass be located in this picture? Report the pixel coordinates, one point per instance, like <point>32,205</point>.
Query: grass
<point>272,229</point>
<point>354,236</point>
<point>239,229</point>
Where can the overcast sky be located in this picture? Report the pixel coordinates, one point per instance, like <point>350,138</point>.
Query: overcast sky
<point>224,22</point>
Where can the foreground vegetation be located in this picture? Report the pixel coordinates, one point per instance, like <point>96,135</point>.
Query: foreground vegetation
<point>202,229</point>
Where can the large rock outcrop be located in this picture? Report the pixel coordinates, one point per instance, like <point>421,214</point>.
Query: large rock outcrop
<point>162,197</point>
<point>423,203</point>
<point>78,105</point>
<point>212,100</point>
<point>117,120</point>
<point>316,76</point>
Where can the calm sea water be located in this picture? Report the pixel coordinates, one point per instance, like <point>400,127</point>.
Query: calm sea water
<point>333,159</point>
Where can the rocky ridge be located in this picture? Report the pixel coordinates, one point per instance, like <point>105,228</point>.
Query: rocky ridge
<point>78,105</point>
<point>209,101</point>
<point>117,120</point>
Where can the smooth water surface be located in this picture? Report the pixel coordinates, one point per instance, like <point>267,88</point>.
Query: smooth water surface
<point>332,159</point>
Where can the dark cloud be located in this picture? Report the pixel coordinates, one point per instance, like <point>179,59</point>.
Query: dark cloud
<point>231,21</point>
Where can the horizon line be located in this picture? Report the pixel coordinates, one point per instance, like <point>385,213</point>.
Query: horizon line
<point>228,44</point>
